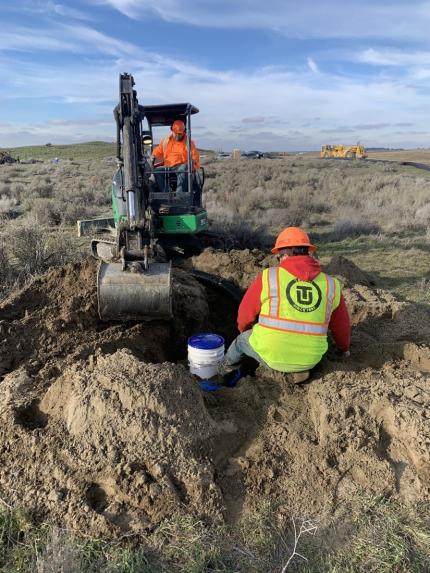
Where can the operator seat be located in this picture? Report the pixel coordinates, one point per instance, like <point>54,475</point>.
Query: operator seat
<point>197,180</point>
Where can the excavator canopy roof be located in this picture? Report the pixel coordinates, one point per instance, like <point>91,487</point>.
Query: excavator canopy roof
<point>166,114</point>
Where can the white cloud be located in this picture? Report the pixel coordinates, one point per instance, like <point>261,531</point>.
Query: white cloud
<point>312,66</point>
<point>225,103</point>
<point>28,39</point>
<point>78,122</point>
<point>21,136</point>
<point>307,19</point>
<point>67,12</point>
<point>81,39</point>
<point>255,120</point>
<point>393,57</point>
<point>131,8</point>
<point>415,65</point>
<point>65,38</point>
<point>45,8</point>
<point>234,104</point>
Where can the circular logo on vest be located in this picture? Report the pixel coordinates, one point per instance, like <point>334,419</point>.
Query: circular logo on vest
<point>304,296</point>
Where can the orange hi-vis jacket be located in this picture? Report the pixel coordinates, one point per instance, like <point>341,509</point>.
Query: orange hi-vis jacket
<point>291,333</point>
<point>172,152</point>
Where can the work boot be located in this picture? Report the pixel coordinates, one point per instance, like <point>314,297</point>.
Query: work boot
<point>299,377</point>
<point>224,367</point>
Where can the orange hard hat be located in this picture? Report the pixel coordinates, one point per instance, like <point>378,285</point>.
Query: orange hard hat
<point>178,126</point>
<point>293,237</point>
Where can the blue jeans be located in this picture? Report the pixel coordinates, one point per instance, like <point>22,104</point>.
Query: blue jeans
<point>162,178</point>
<point>239,348</point>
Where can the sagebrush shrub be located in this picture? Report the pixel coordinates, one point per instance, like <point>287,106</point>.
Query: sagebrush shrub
<point>347,198</point>
<point>240,234</point>
<point>7,204</point>
<point>31,250</point>
<point>44,211</point>
<point>423,213</point>
<point>347,229</point>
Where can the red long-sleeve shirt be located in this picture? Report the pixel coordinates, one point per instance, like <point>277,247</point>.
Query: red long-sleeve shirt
<point>305,268</point>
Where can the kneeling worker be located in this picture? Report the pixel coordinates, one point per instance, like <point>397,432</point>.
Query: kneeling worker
<point>285,314</point>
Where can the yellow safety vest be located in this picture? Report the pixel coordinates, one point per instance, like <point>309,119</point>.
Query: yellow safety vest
<point>291,334</point>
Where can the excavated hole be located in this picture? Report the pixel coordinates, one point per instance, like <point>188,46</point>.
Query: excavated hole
<point>65,328</point>
<point>160,341</point>
<point>31,417</point>
<point>220,319</point>
<point>96,498</point>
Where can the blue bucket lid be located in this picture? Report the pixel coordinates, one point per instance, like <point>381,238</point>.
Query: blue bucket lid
<point>206,341</point>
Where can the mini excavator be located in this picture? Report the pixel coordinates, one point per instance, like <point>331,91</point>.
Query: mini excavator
<point>150,225</point>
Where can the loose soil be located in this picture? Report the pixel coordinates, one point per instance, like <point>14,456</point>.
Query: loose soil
<point>103,429</point>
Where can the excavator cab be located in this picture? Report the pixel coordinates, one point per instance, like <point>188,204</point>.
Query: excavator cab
<point>158,116</point>
<point>162,183</point>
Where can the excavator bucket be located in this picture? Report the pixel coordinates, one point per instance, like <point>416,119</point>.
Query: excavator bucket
<point>126,295</point>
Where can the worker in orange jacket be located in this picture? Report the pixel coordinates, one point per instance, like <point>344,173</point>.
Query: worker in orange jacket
<point>171,154</point>
<point>286,313</point>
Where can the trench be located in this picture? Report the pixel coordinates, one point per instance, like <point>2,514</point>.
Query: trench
<point>53,322</point>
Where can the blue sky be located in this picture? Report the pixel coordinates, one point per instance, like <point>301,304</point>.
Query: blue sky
<point>280,74</point>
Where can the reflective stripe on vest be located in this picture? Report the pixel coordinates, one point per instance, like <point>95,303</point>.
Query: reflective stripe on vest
<point>293,326</point>
<point>272,277</point>
<point>331,292</point>
<point>274,321</point>
<point>166,143</point>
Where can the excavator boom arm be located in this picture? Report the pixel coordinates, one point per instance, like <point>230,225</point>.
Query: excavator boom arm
<point>129,130</point>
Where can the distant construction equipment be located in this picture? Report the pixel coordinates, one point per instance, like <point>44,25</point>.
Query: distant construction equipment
<point>6,157</point>
<point>343,152</point>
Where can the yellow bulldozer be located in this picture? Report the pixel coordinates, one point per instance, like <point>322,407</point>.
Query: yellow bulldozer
<point>343,152</point>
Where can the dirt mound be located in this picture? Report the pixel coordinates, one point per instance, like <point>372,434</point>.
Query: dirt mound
<point>98,441</point>
<point>53,322</point>
<point>346,270</point>
<point>71,397</point>
<point>309,449</point>
<point>239,267</point>
<point>115,434</point>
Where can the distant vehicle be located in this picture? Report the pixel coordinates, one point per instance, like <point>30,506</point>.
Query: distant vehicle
<point>252,154</point>
<point>343,152</point>
<point>222,155</point>
<point>6,157</point>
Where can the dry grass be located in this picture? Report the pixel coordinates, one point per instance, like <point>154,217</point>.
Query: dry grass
<point>301,191</point>
<point>376,214</point>
<point>270,193</point>
<point>347,206</point>
<point>56,193</point>
<point>417,155</point>
<point>27,250</point>
<point>379,536</point>
<point>93,149</point>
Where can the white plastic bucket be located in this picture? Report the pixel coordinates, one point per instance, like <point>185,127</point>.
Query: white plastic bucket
<point>205,351</point>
